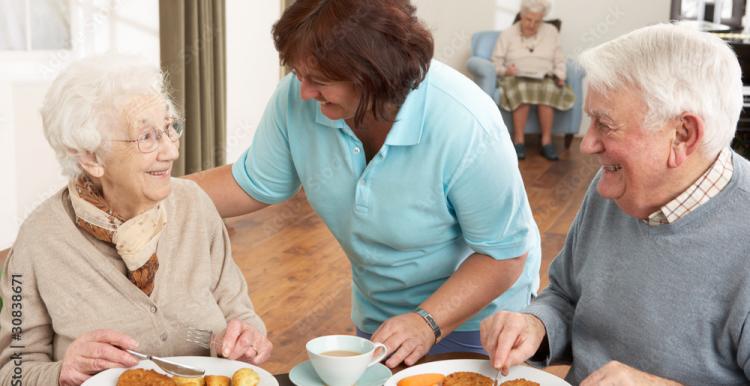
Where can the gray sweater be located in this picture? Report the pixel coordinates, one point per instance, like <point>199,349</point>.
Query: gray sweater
<point>670,300</point>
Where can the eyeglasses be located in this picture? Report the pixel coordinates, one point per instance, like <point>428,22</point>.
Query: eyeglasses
<point>148,141</point>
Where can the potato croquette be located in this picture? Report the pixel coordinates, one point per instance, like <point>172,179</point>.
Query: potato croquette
<point>466,378</point>
<point>142,377</point>
<point>519,382</point>
<point>189,381</point>
<point>245,377</point>
<point>217,380</point>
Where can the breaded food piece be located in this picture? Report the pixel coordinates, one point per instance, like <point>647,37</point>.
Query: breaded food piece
<point>143,377</point>
<point>217,380</point>
<point>245,377</point>
<point>422,380</point>
<point>519,382</point>
<point>189,381</point>
<point>467,378</point>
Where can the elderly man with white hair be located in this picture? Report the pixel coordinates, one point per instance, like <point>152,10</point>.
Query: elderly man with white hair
<point>124,257</point>
<point>652,285</point>
<point>530,66</point>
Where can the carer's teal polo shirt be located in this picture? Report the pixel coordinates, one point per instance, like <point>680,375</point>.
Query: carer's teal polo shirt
<point>444,185</point>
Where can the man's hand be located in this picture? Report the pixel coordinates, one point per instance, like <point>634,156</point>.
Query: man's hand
<point>617,374</point>
<point>93,352</point>
<point>407,336</point>
<point>243,342</point>
<point>511,338</point>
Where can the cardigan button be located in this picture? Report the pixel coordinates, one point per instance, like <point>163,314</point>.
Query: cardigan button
<point>164,337</point>
<point>153,309</point>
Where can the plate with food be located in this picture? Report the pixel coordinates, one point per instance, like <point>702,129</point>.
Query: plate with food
<point>470,372</point>
<point>219,372</point>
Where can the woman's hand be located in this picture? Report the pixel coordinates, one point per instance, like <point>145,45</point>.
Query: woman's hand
<point>244,342</point>
<point>407,336</point>
<point>93,352</point>
<point>617,374</point>
<point>559,82</point>
<point>511,338</point>
<point>511,70</point>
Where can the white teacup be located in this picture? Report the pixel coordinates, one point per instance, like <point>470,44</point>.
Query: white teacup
<point>340,360</point>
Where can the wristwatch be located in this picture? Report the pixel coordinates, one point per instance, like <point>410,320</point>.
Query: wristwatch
<point>430,322</point>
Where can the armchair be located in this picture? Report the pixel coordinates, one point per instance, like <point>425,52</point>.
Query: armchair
<point>483,70</point>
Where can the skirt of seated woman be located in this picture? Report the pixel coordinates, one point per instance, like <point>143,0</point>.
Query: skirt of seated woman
<point>519,90</point>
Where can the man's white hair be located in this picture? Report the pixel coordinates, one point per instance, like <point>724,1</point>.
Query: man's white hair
<point>535,6</point>
<point>676,70</point>
<point>86,102</point>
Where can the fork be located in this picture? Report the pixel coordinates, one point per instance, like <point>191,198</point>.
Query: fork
<point>199,336</point>
<point>498,377</point>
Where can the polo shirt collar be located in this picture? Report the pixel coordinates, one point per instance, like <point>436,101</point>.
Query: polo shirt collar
<point>409,125</point>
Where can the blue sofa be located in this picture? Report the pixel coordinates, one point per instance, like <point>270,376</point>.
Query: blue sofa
<point>483,70</point>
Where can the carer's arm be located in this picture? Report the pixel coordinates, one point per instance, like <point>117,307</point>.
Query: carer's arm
<point>228,197</point>
<point>477,282</point>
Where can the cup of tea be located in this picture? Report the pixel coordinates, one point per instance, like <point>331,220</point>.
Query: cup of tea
<point>340,360</point>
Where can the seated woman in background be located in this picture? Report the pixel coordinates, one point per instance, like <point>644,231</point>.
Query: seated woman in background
<point>124,257</point>
<point>531,71</point>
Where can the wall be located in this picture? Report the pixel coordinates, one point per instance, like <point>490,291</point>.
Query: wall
<point>252,69</point>
<point>452,23</point>
<point>604,20</point>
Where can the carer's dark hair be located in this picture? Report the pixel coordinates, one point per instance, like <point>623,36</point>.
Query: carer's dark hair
<point>378,45</point>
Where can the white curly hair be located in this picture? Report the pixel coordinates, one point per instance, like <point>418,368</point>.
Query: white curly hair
<point>85,104</point>
<point>535,6</point>
<point>677,70</point>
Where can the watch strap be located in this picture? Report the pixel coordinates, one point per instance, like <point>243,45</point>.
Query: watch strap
<point>430,322</point>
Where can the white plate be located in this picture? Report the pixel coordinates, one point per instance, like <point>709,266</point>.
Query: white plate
<point>213,366</point>
<point>478,366</point>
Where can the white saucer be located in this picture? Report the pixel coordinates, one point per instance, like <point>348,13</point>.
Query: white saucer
<point>304,375</point>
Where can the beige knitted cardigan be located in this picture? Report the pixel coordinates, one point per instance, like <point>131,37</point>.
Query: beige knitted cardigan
<point>71,283</point>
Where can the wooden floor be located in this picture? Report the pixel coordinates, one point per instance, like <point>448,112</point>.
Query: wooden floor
<point>299,277</point>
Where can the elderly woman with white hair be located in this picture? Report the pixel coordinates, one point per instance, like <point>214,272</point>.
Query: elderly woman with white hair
<point>123,257</point>
<point>652,285</point>
<point>530,67</point>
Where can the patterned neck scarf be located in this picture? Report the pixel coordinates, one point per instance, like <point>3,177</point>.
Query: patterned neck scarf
<point>135,240</point>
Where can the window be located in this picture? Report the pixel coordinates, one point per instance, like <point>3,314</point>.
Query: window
<point>35,25</point>
<point>731,11</point>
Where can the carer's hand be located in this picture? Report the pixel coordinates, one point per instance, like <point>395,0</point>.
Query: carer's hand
<point>93,352</point>
<point>617,374</point>
<point>510,338</point>
<point>407,336</point>
<point>511,70</point>
<point>241,341</point>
